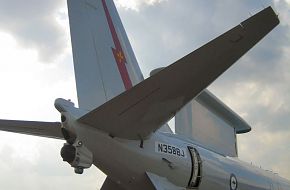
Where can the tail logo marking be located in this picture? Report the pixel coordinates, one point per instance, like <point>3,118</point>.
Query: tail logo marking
<point>118,51</point>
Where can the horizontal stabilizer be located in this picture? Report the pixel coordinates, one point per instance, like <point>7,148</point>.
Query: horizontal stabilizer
<point>144,108</point>
<point>36,128</point>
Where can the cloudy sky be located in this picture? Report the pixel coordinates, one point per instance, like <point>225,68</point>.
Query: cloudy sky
<point>36,68</point>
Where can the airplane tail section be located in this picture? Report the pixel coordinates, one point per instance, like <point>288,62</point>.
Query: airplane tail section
<point>104,62</point>
<point>143,109</point>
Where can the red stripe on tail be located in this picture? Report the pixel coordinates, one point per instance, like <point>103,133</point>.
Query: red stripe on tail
<point>118,51</point>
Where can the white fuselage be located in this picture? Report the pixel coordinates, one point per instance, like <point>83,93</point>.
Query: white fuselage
<point>130,160</point>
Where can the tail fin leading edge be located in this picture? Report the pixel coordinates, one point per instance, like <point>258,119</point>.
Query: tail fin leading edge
<point>104,62</point>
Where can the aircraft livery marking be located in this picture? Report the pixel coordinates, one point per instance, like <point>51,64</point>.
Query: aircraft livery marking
<point>118,51</point>
<point>170,149</point>
<point>233,182</point>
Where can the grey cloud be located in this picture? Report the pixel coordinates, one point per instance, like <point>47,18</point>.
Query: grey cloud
<point>269,150</point>
<point>164,31</point>
<point>33,24</point>
<point>136,4</point>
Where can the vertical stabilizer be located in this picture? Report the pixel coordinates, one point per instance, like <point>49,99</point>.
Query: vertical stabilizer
<point>104,62</point>
<point>211,123</point>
